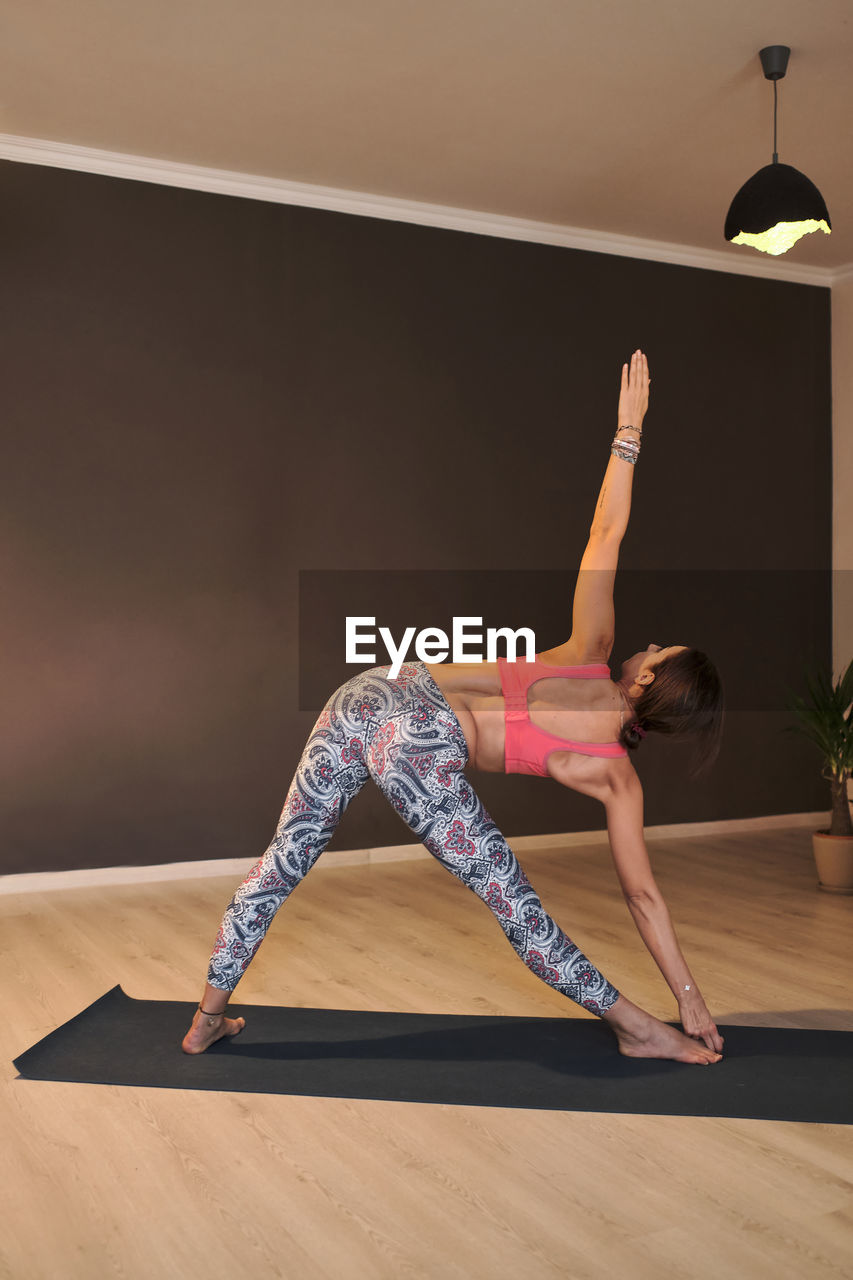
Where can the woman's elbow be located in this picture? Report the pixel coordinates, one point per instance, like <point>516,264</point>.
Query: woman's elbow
<point>644,898</point>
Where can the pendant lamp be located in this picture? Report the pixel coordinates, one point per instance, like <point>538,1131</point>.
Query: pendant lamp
<point>778,204</point>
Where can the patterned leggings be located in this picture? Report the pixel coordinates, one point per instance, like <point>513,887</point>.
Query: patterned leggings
<point>403,734</point>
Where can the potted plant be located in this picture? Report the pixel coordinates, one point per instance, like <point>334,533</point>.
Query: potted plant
<point>826,719</point>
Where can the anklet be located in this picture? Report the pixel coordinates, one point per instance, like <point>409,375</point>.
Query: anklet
<point>211,1015</point>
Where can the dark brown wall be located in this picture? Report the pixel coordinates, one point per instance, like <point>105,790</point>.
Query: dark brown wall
<point>206,396</point>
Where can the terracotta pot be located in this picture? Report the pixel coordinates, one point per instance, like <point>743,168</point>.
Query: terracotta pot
<point>834,858</point>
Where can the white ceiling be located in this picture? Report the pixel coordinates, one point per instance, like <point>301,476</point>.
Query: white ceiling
<point>633,119</point>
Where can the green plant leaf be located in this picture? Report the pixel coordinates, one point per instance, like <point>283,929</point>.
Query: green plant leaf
<point>825,718</point>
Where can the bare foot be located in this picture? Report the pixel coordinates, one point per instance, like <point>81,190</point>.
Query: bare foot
<point>642,1036</point>
<point>207,1028</point>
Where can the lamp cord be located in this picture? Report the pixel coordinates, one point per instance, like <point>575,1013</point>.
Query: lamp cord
<point>775,152</point>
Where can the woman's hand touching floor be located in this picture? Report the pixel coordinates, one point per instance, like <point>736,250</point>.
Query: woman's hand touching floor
<point>697,1021</point>
<point>642,1036</point>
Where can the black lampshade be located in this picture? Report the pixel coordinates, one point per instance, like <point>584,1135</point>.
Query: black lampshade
<point>774,208</point>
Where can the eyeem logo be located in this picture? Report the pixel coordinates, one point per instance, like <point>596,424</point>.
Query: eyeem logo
<point>432,644</point>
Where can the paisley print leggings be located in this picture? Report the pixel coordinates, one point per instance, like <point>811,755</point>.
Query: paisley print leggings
<point>404,735</point>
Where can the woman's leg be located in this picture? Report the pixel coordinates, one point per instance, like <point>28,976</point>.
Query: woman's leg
<point>417,761</point>
<point>331,771</point>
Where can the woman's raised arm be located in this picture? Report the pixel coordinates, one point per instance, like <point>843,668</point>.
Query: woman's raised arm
<point>593,620</point>
<point>614,500</point>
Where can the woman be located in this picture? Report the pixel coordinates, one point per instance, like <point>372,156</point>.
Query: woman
<point>560,716</point>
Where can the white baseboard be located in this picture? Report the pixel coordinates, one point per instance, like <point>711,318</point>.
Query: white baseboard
<point>236,868</point>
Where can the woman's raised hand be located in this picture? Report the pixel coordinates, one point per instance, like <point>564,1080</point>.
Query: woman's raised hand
<point>634,393</point>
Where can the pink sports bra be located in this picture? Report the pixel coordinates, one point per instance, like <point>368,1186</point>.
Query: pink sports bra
<point>527,746</point>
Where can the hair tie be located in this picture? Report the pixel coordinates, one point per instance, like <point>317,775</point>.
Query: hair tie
<point>636,727</point>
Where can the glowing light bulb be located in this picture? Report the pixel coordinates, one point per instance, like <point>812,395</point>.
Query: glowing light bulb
<point>779,239</point>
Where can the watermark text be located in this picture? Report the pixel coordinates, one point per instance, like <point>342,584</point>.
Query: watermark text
<point>434,645</point>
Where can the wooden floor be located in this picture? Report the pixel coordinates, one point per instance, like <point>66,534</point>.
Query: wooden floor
<point>102,1181</point>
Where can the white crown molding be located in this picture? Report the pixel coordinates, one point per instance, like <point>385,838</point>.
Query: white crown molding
<point>279,191</point>
<point>844,275</point>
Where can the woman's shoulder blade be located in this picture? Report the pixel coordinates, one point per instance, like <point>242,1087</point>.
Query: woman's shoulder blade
<point>602,778</point>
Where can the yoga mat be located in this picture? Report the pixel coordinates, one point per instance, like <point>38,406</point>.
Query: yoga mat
<point>559,1064</point>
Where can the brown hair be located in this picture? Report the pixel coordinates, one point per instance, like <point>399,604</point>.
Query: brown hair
<point>685,699</point>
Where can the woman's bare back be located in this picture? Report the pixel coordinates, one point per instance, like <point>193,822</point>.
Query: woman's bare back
<point>579,710</point>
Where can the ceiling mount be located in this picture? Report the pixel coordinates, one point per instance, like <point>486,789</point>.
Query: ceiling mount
<point>774,60</point>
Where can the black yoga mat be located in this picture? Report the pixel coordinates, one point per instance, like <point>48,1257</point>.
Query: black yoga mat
<point>559,1064</point>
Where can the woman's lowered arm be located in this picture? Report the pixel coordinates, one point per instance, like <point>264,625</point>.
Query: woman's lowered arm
<point>624,807</point>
